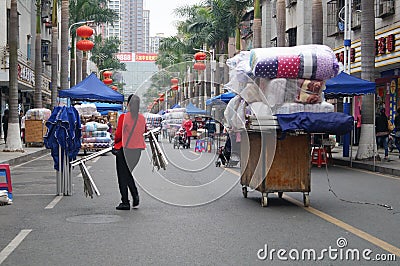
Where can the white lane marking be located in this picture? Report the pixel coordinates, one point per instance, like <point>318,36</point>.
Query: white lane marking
<point>19,165</point>
<point>30,195</point>
<point>53,202</point>
<point>13,244</point>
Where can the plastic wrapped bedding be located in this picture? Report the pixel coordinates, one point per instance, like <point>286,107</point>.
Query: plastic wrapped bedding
<point>317,62</point>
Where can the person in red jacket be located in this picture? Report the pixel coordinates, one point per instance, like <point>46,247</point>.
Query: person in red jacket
<point>187,124</point>
<point>129,138</point>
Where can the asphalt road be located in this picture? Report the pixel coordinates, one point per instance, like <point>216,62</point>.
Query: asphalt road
<point>194,213</point>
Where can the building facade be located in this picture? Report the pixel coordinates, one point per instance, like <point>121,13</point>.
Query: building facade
<point>26,53</point>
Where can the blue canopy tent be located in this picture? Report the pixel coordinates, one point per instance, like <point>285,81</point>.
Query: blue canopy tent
<point>345,85</point>
<point>192,110</point>
<point>103,108</point>
<point>93,90</point>
<point>223,98</point>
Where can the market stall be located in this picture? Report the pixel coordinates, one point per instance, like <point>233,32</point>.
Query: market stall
<point>279,104</point>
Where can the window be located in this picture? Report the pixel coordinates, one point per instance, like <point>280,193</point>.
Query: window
<point>292,35</point>
<point>45,51</point>
<point>384,8</point>
<point>356,14</point>
<point>334,24</point>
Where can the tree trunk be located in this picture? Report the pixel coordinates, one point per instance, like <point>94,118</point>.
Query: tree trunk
<point>64,44</point>
<point>14,142</point>
<point>281,23</point>
<point>84,65</point>
<point>317,22</point>
<point>257,25</point>
<point>54,56</point>
<point>367,146</point>
<point>78,66</point>
<point>38,103</point>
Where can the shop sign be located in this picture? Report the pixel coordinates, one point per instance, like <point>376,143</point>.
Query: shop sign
<point>124,57</point>
<point>392,99</point>
<point>145,57</point>
<point>26,74</point>
<point>340,56</point>
<point>385,44</point>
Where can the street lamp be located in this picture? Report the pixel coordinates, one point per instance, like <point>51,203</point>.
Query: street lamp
<point>73,51</point>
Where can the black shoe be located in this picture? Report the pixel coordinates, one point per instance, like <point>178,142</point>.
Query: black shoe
<point>123,206</point>
<point>135,203</point>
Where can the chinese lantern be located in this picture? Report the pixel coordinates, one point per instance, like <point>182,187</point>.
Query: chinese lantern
<point>161,99</point>
<point>161,94</point>
<point>200,56</point>
<point>199,66</point>
<point>115,88</point>
<point>174,81</point>
<point>84,31</point>
<point>174,87</point>
<point>107,81</point>
<point>107,74</point>
<point>84,45</point>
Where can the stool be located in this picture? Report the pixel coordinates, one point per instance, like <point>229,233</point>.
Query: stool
<point>318,156</point>
<point>5,175</point>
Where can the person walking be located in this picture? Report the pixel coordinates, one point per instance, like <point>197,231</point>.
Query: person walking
<point>397,130</point>
<point>187,124</point>
<point>4,120</point>
<point>130,142</point>
<point>382,131</point>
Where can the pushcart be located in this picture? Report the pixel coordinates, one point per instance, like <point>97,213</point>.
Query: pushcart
<point>290,170</point>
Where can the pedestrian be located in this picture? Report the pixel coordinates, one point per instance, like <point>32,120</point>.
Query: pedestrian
<point>187,124</point>
<point>382,131</point>
<point>397,130</point>
<point>4,120</point>
<point>22,125</point>
<point>130,142</point>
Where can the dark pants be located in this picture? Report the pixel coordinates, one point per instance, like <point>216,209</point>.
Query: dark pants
<point>126,162</point>
<point>188,142</point>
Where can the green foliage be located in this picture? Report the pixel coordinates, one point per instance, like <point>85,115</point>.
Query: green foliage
<point>103,53</point>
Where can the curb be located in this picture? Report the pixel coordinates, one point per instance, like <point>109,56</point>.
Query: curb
<point>368,167</point>
<point>25,158</point>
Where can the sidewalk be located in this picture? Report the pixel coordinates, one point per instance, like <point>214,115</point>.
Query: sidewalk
<point>14,158</point>
<point>391,167</point>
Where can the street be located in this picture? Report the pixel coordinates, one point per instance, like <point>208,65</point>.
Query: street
<point>203,220</point>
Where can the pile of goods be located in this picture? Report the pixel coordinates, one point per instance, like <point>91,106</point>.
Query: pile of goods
<point>282,87</point>
<point>95,136</point>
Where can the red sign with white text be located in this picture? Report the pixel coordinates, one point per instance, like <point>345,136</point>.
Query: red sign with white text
<point>145,57</point>
<point>125,57</point>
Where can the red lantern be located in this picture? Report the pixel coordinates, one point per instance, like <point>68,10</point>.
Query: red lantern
<point>161,99</point>
<point>107,74</point>
<point>84,45</point>
<point>107,81</point>
<point>199,66</point>
<point>115,88</point>
<point>174,87</point>
<point>200,56</point>
<point>161,94</point>
<point>84,31</point>
<point>174,81</point>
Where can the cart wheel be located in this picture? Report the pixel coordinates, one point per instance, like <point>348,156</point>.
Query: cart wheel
<point>264,201</point>
<point>280,194</point>
<point>306,200</point>
<point>244,191</point>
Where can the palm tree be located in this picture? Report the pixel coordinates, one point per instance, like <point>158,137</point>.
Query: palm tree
<point>64,44</point>
<point>317,22</point>
<point>257,25</point>
<point>54,55</point>
<point>280,23</point>
<point>84,10</point>
<point>367,146</point>
<point>13,138</point>
<point>38,57</point>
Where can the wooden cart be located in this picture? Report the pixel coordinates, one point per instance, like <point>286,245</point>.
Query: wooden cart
<point>290,170</point>
<point>35,130</point>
